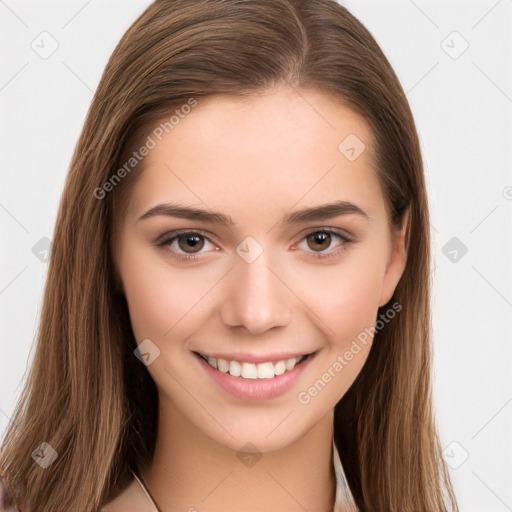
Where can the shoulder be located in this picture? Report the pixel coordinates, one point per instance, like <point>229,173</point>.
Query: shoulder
<point>131,499</point>
<point>7,503</point>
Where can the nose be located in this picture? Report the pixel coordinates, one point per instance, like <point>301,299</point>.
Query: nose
<point>257,298</point>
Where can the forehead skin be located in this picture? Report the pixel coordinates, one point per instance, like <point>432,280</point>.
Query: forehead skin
<point>255,158</point>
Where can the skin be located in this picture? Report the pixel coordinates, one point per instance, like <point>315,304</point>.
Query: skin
<point>255,159</point>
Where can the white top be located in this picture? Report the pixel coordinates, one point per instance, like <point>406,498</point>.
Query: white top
<point>344,501</point>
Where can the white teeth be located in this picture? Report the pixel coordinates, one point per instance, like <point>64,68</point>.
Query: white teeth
<point>235,369</point>
<point>290,363</point>
<point>265,371</point>
<point>222,364</point>
<point>251,370</point>
<point>280,367</point>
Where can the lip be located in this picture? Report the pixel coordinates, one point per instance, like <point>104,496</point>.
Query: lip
<point>256,389</point>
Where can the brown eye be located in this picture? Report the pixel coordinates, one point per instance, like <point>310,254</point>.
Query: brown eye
<point>319,241</point>
<point>192,241</point>
<point>185,245</point>
<point>320,244</point>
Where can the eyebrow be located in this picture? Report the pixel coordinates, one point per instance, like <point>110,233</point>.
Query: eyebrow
<point>315,213</point>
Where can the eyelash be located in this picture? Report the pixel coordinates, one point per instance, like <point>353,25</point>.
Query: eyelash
<point>167,238</point>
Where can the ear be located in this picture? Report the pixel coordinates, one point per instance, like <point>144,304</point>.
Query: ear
<point>397,260</point>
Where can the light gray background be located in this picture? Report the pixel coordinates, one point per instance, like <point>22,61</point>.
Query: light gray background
<point>463,108</point>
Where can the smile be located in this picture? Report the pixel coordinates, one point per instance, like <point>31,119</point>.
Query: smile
<point>258,377</point>
<point>245,370</point>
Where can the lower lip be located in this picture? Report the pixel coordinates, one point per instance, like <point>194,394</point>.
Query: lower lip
<point>256,389</point>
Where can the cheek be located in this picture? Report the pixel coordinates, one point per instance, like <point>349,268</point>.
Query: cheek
<point>345,303</point>
<point>345,300</point>
<point>160,302</point>
<point>345,297</point>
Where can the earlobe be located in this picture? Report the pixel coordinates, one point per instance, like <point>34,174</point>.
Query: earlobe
<point>397,260</point>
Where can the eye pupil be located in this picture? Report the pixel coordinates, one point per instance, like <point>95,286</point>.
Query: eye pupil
<point>320,238</point>
<point>194,241</point>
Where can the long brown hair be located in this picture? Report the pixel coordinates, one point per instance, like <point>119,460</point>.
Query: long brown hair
<point>86,395</point>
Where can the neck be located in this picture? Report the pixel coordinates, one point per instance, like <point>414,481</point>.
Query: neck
<point>191,472</point>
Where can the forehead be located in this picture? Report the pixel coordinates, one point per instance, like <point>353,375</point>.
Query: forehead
<point>249,155</point>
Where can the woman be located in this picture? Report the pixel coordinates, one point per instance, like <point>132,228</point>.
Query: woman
<point>237,312</point>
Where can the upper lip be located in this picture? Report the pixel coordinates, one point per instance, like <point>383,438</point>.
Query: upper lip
<point>244,357</point>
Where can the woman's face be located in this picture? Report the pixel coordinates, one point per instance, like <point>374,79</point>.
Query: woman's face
<point>266,272</point>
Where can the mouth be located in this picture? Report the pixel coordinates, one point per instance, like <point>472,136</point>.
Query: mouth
<point>255,371</point>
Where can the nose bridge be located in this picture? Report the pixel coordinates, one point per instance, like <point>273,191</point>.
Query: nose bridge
<point>257,299</point>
